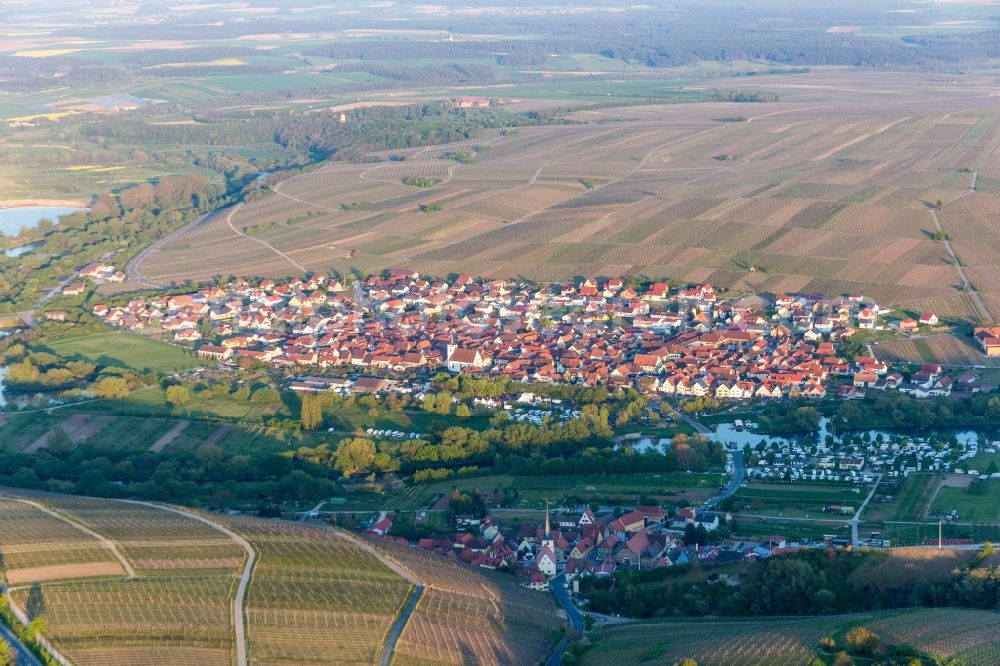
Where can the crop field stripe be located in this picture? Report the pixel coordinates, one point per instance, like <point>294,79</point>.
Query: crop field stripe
<point>238,619</point>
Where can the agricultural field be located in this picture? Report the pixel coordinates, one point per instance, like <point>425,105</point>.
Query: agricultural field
<point>314,595</point>
<point>472,617</point>
<point>121,582</point>
<point>713,643</point>
<point>799,500</point>
<point>532,491</point>
<point>914,497</point>
<point>968,636</point>
<point>972,505</point>
<point>122,349</point>
<point>826,193</point>
<point>946,350</point>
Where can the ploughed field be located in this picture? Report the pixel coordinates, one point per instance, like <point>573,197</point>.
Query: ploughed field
<point>832,190</point>
<point>119,582</point>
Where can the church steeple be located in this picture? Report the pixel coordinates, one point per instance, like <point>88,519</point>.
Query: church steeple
<point>547,540</point>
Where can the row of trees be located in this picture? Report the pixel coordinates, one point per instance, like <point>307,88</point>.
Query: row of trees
<point>812,582</point>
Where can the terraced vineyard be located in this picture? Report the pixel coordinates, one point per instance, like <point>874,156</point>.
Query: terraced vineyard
<point>828,191</point>
<point>472,617</point>
<point>120,582</point>
<point>973,637</point>
<point>316,598</point>
<point>762,642</point>
<point>123,583</point>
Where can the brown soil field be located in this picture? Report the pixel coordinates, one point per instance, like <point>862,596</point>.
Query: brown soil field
<point>77,427</point>
<point>64,571</point>
<point>169,436</point>
<point>829,190</point>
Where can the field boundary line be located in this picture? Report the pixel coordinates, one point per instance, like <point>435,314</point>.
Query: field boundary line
<point>406,610</point>
<point>642,163</point>
<point>229,222</point>
<point>987,316</point>
<point>238,618</point>
<point>104,541</point>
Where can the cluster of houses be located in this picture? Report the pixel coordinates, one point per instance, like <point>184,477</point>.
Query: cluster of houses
<point>585,544</point>
<point>98,273</point>
<point>870,373</point>
<point>603,332</point>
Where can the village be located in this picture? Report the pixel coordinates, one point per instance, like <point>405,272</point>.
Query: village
<point>580,543</point>
<point>680,343</point>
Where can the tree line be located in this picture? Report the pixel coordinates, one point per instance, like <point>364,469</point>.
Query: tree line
<point>808,582</point>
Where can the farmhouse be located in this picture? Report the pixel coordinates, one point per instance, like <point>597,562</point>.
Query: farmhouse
<point>472,102</point>
<point>216,352</point>
<point>988,339</point>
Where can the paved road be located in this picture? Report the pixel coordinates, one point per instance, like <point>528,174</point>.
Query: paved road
<point>558,587</point>
<point>24,656</point>
<point>304,516</point>
<point>739,472</point>
<point>397,628</point>
<point>702,429</point>
<point>133,269</point>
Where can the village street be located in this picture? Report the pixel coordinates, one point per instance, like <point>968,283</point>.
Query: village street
<point>573,614</point>
<point>23,657</point>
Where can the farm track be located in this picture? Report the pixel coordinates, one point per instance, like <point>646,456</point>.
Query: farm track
<point>400,625</point>
<point>987,317</point>
<point>169,436</point>
<point>238,618</point>
<point>103,540</point>
<point>418,588</point>
<point>229,222</point>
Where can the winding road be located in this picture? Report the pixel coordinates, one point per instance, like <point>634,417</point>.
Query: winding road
<point>132,268</point>
<point>400,624</point>
<point>739,472</point>
<point>418,589</point>
<point>103,540</point>
<point>558,587</point>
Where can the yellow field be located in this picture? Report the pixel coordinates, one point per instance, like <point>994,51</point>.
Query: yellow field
<point>53,115</point>
<point>44,53</point>
<point>91,168</point>
<point>221,62</point>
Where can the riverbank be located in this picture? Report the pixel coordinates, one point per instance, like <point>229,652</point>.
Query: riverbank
<point>44,203</point>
